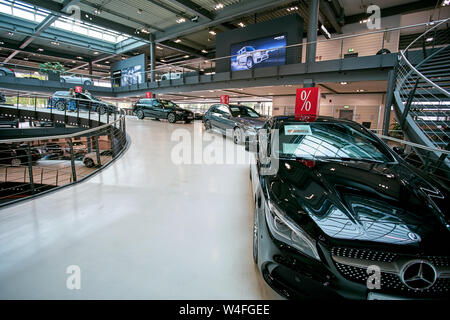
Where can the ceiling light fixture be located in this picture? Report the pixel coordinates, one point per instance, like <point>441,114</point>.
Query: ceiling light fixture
<point>181,20</point>
<point>204,51</point>
<point>292,9</point>
<point>177,40</point>
<point>55,43</point>
<point>26,59</point>
<point>186,56</point>
<point>96,12</point>
<point>95,52</point>
<point>446,3</point>
<point>430,38</point>
<point>212,32</point>
<point>344,83</point>
<point>139,11</point>
<point>218,6</point>
<point>40,49</point>
<point>10,33</point>
<point>79,57</point>
<point>241,24</point>
<point>159,48</point>
<point>143,30</point>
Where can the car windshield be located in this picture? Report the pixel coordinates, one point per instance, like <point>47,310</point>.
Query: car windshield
<point>242,111</point>
<point>87,94</point>
<point>333,141</point>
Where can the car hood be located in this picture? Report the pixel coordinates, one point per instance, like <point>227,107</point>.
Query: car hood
<point>383,203</point>
<point>252,122</point>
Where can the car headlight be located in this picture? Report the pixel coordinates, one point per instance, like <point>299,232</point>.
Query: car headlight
<point>286,230</point>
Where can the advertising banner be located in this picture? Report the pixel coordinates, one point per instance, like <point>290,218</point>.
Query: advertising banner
<point>256,53</point>
<point>149,94</point>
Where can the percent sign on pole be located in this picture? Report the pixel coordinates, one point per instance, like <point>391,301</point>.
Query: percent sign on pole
<point>307,102</point>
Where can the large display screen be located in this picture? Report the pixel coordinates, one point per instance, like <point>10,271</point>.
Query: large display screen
<point>263,52</point>
<point>131,75</point>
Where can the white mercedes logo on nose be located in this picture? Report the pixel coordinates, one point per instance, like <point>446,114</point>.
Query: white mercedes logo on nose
<point>418,275</point>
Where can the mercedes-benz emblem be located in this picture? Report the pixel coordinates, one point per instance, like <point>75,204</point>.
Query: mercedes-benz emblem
<point>418,275</point>
<point>413,236</point>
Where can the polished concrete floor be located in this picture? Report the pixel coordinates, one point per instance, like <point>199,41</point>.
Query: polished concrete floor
<point>143,228</point>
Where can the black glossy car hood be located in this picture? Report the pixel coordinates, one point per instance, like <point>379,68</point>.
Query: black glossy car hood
<point>251,122</point>
<point>382,203</point>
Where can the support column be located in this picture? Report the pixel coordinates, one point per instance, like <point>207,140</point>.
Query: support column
<point>90,68</point>
<point>312,30</point>
<point>388,101</point>
<point>152,58</point>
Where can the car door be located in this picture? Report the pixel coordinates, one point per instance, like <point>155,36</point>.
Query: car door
<point>84,102</point>
<point>224,119</point>
<point>158,110</point>
<point>213,115</point>
<point>146,106</point>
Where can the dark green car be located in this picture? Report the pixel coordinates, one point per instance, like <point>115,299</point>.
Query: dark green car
<point>162,109</point>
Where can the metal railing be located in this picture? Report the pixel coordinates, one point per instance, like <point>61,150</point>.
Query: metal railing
<point>421,93</point>
<point>29,166</point>
<point>422,157</point>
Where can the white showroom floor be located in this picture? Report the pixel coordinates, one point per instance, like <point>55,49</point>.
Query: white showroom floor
<point>143,228</point>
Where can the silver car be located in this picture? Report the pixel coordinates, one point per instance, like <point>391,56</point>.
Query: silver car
<point>77,79</point>
<point>248,56</point>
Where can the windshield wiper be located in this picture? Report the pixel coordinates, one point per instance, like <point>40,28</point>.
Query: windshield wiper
<point>353,159</point>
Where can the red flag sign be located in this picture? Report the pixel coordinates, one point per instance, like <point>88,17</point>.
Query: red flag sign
<point>149,94</point>
<point>307,102</point>
<point>78,89</point>
<point>224,99</point>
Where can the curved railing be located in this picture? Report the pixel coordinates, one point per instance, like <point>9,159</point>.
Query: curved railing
<point>421,102</point>
<point>32,166</point>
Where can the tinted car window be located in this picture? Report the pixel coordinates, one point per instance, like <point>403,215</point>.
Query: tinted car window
<point>242,111</point>
<point>317,140</point>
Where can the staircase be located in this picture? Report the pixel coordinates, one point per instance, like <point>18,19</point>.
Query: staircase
<point>422,95</point>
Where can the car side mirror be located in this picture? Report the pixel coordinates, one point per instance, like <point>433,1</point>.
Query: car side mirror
<point>400,151</point>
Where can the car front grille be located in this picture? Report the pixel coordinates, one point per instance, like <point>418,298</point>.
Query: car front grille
<point>390,283</point>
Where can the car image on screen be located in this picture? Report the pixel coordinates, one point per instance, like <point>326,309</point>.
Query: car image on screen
<point>264,52</point>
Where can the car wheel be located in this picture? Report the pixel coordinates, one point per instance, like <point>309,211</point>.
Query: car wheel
<point>255,234</point>
<point>249,63</point>
<point>60,105</point>
<point>88,162</point>
<point>101,110</point>
<point>140,114</point>
<point>63,80</point>
<point>88,83</point>
<point>208,126</point>
<point>187,121</point>
<point>16,162</point>
<point>2,73</point>
<point>172,118</point>
<point>163,78</point>
<point>237,135</point>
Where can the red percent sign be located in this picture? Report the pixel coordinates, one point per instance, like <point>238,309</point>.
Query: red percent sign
<point>307,102</point>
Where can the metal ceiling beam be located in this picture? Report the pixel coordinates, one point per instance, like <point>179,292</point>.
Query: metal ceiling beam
<point>194,8</point>
<point>56,8</point>
<point>400,9</point>
<point>330,15</point>
<point>182,48</point>
<point>170,9</point>
<point>44,24</point>
<point>228,13</point>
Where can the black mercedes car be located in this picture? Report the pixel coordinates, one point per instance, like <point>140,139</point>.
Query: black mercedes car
<point>161,109</point>
<point>236,120</point>
<point>338,214</point>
